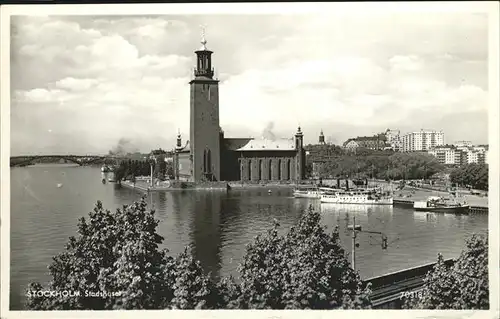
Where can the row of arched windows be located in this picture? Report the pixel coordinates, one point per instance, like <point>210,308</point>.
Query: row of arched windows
<point>273,172</point>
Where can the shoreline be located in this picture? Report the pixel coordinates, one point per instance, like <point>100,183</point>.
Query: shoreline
<point>216,186</point>
<point>404,196</point>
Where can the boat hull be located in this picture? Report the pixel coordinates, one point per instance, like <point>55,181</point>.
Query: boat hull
<point>357,201</point>
<point>307,195</point>
<point>454,209</point>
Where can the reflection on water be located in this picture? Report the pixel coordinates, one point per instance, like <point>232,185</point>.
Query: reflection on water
<point>216,224</point>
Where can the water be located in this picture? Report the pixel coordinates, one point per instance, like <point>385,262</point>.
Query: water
<point>219,225</point>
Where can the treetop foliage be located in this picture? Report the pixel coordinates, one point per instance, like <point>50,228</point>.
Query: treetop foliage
<point>474,175</point>
<point>463,286</point>
<point>306,268</point>
<point>380,164</point>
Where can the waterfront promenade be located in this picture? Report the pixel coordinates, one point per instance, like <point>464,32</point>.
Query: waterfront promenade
<point>407,194</point>
<point>414,194</point>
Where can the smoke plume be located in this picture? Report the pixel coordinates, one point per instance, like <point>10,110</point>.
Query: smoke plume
<point>124,147</point>
<point>268,132</point>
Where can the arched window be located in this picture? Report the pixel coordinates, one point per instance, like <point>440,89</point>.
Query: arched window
<point>249,170</point>
<point>279,170</point>
<point>241,169</point>
<point>269,170</point>
<point>209,161</point>
<point>204,161</point>
<point>261,170</point>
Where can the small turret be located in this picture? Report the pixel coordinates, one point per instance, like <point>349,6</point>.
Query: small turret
<point>179,141</point>
<point>321,138</point>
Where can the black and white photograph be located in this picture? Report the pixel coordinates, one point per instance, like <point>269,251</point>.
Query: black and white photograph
<point>287,156</point>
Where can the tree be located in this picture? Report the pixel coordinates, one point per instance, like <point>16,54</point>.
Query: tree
<point>118,253</point>
<point>308,170</point>
<point>160,167</point>
<point>462,286</point>
<point>303,269</point>
<point>192,288</point>
<point>381,164</point>
<point>475,175</point>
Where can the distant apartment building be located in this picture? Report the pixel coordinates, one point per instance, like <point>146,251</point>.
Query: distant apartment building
<point>460,154</point>
<point>422,141</point>
<point>463,144</point>
<point>447,154</point>
<point>393,139</point>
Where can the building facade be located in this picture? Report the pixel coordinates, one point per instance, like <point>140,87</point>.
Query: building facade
<point>460,154</point>
<point>463,144</point>
<point>393,139</point>
<point>210,156</point>
<point>376,142</point>
<point>351,145</point>
<point>422,141</point>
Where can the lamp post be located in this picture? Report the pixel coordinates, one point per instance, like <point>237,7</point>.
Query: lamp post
<point>354,228</point>
<point>357,229</point>
<point>152,162</point>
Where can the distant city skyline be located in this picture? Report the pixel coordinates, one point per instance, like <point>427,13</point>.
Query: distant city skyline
<point>80,83</point>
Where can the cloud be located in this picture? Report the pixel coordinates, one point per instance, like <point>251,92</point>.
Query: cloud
<point>405,63</point>
<point>73,84</point>
<point>95,80</point>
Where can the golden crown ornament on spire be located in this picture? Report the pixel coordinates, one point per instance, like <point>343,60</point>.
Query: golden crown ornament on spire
<point>203,39</point>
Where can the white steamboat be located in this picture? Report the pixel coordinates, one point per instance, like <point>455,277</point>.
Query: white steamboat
<point>306,191</point>
<point>356,196</point>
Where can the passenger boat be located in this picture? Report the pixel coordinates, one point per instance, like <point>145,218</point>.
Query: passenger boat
<point>440,205</point>
<point>306,191</point>
<point>356,196</point>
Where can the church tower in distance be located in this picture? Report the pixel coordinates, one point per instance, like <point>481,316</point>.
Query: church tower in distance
<point>204,119</point>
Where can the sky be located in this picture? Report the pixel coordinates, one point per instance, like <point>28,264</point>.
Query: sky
<point>81,84</point>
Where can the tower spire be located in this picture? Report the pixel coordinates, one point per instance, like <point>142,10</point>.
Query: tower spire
<point>204,61</point>
<point>203,39</point>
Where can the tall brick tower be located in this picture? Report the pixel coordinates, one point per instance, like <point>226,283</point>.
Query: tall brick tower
<point>300,160</point>
<point>204,119</point>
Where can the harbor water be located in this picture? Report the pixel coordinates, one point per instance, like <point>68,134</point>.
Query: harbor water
<point>47,200</point>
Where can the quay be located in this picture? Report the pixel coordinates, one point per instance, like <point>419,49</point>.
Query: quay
<point>143,184</point>
<point>176,186</point>
<point>387,289</point>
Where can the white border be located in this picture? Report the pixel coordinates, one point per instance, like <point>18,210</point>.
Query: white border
<point>492,8</point>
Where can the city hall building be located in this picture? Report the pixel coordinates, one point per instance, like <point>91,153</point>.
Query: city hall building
<point>210,156</point>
